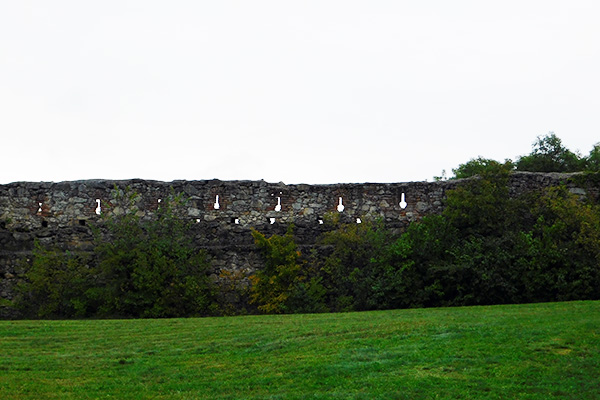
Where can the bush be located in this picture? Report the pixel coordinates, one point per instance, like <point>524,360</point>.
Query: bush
<point>482,205</point>
<point>566,248</point>
<point>139,268</point>
<point>485,248</point>
<point>480,166</point>
<point>352,275</point>
<point>150,268</point>
<point>549,155</point>
<point>55,285</point>
<point>284,284</point>
<point>593,159</point>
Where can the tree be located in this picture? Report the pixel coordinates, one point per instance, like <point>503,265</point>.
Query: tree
<point>479,166</point>
<point>55,285</point>
<point>283,285</point>
<point>353,277</point>
<point>149,268</point>
<point>468,255</point>
<point>417,263</point>
<point>593,160</point>
<point>549,155</point>
<point>565,262</point>
<point>481,205</point>
<point>139,268</point>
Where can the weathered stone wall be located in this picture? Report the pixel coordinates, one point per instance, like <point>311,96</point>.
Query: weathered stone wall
<point>222,212</point>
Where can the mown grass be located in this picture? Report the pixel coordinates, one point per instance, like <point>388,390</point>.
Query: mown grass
<point>538,351</point>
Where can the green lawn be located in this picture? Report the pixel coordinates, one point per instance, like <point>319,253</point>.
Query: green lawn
<point>538,351</point>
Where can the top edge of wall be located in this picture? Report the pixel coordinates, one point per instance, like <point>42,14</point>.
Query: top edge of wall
<point>261,181</point>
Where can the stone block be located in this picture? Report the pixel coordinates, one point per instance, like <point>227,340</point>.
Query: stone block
<point>578,191</point>
<point>422,206</point>
<point>193,212</point>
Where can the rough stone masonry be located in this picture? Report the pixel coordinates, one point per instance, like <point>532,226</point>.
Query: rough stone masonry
<point>222,212</point>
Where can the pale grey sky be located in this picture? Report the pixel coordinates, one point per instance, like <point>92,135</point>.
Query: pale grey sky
<point>304,91</point>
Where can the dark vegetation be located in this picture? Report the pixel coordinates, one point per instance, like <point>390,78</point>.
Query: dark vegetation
<point>485,248</point>
<point>139,268</point>
<point>548,155</point>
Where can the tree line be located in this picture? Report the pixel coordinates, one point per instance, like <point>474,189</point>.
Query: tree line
<point>484,248</point>
<point>138,269</point>
<point>548,155</point>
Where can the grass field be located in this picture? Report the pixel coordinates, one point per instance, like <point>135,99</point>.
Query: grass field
<point>539,351</point>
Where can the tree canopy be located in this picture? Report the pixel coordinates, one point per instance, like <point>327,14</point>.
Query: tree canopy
<point>548,154</point>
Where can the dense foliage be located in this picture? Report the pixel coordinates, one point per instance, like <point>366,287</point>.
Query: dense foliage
<point>478,166</point>
<point>485,248</point>
<point>548,155</point>
<point>55,284</point>
<point>349,266</point>
<point>139,268</point>
<point>285,283</point>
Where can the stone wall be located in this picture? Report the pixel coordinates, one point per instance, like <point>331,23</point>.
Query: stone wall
<point>222,212</point>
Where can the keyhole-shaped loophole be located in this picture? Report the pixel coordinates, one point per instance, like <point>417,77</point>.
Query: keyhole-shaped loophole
<point>216,205</point>
<point>98,209</point>
<point>40,208</point>
<point>403,202</point>
<point>340,206</point>
<point>278,206</point>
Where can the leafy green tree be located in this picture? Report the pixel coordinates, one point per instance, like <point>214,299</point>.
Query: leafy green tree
<point>149,267</point>
<point>484,261</point>
<point>284,284</point>
<point>353,277</point>
<point>416,261</point>
<point>482,206</point>
<point>55,285</point>
<point>565,262</point>
<point>488,248</point>
<point>549,155</point>
<point>139,268</point>
<point>592,161</point>
<point>479,166</point>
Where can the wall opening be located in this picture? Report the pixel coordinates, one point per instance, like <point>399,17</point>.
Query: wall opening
<point>40,208</point>
<point>271,220</point>
<point>235,220</point>
<point>216,205</point>
<point>44,224</point>
<point>278,206</point>
<point>358,221</point>
<point>98,209</point>
<point>82,222</point>
<point>403,202</point>
<point>340,206</point>
<point>320,220</point>
<point>197,220</point>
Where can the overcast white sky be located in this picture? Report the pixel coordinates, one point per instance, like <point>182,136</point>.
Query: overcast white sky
<point>303,91</point>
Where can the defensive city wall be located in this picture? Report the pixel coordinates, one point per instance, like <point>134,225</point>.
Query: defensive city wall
<point>222,212</point>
